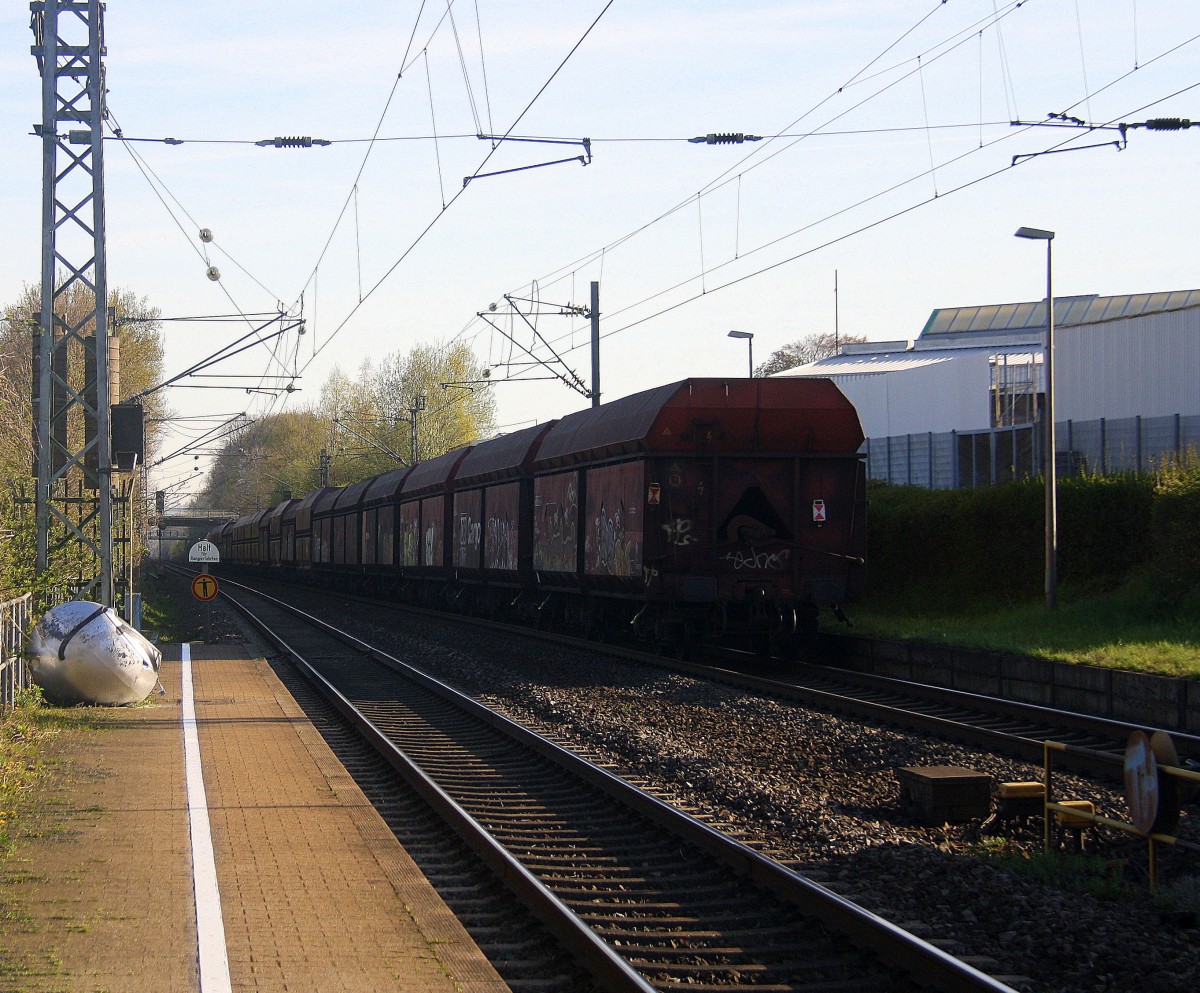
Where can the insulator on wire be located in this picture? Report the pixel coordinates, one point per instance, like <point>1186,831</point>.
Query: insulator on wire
<point>1167,124</point>
<point>296,141</point>
<point>728,138</point>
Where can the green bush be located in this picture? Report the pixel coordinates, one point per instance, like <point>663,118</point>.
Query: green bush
<point>1174,572</point>
<point>946,549</point>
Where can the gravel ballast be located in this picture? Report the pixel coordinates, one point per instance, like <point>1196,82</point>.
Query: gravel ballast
<point>819,792</point>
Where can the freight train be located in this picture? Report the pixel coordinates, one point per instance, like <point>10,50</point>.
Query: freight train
<point>700,511</point>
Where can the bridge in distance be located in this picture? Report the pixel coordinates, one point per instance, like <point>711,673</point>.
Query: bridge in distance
<point>186,524</point>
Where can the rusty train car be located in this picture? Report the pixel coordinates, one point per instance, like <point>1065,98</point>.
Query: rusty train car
<point>701,510</point>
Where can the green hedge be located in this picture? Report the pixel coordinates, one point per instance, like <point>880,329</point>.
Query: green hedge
<point>947,548</point>
<point>1174,573</point>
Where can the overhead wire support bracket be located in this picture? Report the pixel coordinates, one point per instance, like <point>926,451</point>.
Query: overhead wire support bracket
<point>584,159</point>
<point>569,377</point>
<point>1118,145</point>
<point>1067,121</point>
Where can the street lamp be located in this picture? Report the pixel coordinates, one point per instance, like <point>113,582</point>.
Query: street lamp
<point>749,336</point>
<point>1037,234</point>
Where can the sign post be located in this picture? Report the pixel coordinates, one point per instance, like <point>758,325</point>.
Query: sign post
<point>204,589</point>
<point>204,586</point>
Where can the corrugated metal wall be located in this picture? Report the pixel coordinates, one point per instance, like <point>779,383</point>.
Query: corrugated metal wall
<point>1144,365</point>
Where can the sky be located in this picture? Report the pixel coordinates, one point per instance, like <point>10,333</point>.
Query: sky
<point>885,170</point>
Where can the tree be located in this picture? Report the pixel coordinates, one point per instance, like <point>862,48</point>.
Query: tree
<point>804,350</point>
<point>276,455</point>
<point>459,408</point>
<point>364,424</point>
<point>136,324</point>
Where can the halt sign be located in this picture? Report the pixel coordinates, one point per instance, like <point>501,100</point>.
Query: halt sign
<point>204,587</point>
<point>204,551</point>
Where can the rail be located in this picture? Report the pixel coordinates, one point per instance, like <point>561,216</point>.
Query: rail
<point>14,635</point>
<point>636,889</point>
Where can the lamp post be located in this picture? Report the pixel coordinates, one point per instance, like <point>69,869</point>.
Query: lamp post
<point>749,336</point>
<point>417,406</point>
<point>1037,234</point>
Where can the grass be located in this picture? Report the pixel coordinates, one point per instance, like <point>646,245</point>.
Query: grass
<point>1114,630</point>
<point>24,735</point>
<point>158,609</point>
<point>25,762</point>
<point>1072,872</point>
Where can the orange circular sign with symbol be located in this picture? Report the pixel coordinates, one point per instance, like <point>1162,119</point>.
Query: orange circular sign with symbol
<point>204,587</point>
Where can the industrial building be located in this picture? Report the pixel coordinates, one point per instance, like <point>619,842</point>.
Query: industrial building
<point>958,405</point>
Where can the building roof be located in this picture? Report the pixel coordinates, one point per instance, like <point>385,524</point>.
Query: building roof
<point>951,332</point>
<point>1068,312</point>
<point>872,363</point>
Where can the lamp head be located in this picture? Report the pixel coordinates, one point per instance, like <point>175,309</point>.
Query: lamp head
<point>1036,234</point>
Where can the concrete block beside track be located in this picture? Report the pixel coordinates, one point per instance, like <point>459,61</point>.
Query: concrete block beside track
<point>892,658</point>
<point>1140,698</point>
<point>932,664</point>
<point>1024,679</point>
<point>977,672</point>
<point>1085,688</point>
<point>1157,701</point>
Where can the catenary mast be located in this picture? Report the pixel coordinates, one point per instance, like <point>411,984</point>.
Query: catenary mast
<point>72,431</point>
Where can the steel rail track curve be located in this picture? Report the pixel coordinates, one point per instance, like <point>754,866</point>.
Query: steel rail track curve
<point>646,896</point>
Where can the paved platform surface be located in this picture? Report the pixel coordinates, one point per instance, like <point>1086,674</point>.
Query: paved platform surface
<point>315,892</point>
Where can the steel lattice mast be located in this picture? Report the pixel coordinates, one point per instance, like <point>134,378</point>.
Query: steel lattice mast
<point>72,430</point>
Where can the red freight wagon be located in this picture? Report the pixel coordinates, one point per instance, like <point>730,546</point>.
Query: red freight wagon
<point>379,522</point>
<point>707,506</point>
<point>305,553</point>
<point>426,504</point>
<point>322,526</point>
<point>492,519</point>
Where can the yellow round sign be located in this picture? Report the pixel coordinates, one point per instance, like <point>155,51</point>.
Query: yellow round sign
<point>204,587</point>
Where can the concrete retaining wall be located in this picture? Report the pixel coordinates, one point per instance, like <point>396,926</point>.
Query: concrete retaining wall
<point>1151,701</point>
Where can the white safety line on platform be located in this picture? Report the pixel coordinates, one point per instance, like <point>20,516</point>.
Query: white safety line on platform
<point>210,926</point>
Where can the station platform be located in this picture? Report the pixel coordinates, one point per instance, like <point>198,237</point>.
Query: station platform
<point>208,840</point>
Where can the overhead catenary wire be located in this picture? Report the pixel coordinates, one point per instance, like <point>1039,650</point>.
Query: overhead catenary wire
<point>704,269</point>
<point>844,236</point>
<point>162,192</point>
<point>708,288</point>
<point>459,193</point>
<point>371,142</point>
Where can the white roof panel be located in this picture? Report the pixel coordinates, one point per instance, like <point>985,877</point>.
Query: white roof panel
<point>878,363</point>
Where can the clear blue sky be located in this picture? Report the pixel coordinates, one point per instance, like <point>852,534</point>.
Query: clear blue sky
<point>893,168</point>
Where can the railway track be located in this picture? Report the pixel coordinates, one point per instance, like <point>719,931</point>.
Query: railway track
<point>643,896</point>
<point>1015,728</point>
<point>1010,727</point>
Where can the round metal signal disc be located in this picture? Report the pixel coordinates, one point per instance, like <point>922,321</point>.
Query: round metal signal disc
<point>1141,782</point>
<point>1169,794</point>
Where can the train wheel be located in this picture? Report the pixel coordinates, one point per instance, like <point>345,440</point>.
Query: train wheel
<point>591,620</point>
<point>804,639</point>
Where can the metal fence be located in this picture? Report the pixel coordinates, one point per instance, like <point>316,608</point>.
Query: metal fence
<point>965,459</point>
<point>14,634</point>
